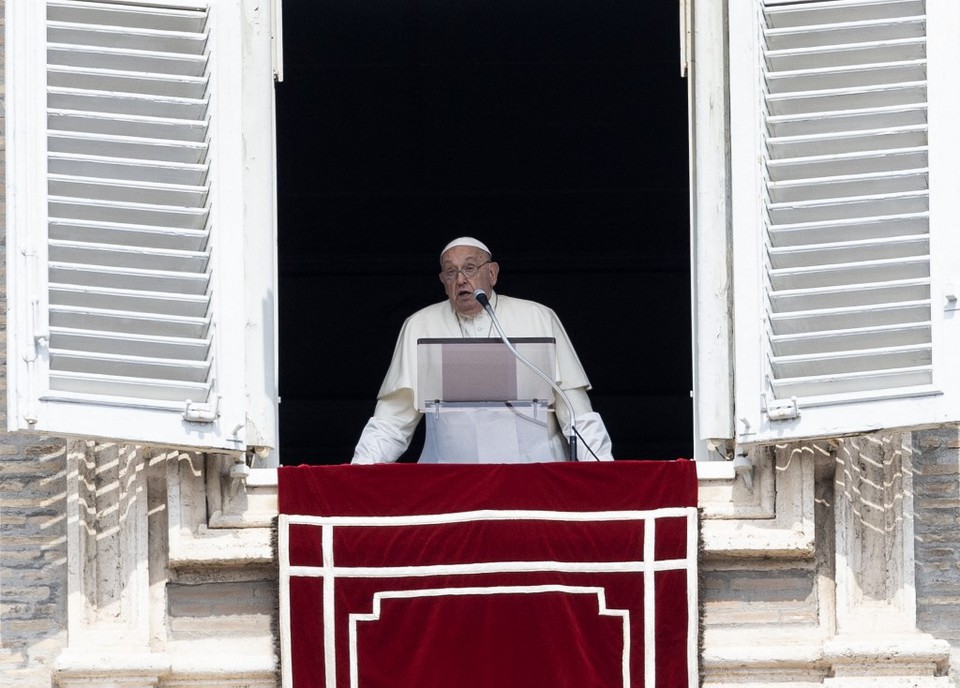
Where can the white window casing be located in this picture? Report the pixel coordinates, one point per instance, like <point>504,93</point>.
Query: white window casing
<point>135,311</point>
<point>710,225</point>
<point>843,198</point>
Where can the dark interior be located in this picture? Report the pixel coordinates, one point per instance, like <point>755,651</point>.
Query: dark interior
<point>553,130</point>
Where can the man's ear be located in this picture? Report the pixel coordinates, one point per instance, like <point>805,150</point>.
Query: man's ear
<point>494,272</point>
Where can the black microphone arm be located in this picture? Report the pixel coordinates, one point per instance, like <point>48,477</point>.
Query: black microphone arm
<point>481,296</point>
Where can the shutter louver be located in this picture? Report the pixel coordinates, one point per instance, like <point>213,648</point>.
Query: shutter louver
<point>129,255</point>
<point>846,198</point>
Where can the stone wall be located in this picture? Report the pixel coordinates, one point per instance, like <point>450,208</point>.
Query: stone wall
<point>936,484</point>
<point>33,559</point>
<point>33,545</point>
<point>814,584</point>
<point>808,568</point>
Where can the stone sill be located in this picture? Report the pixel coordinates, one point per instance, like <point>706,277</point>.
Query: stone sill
<point>250,665</point>
<point>740,520</point>
<point>917,659</point>
<point>266,478</point>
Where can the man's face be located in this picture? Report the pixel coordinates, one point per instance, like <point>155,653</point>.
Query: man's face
<point>458,286</point>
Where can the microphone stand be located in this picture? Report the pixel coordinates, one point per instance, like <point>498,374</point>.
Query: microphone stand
<point>481,296</point>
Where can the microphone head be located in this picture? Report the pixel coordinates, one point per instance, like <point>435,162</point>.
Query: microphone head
<point>481,296</point>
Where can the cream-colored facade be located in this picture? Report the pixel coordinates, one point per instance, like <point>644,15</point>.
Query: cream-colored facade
<point>836,567</point>
<point>118,571</point>
<point>829,562</point>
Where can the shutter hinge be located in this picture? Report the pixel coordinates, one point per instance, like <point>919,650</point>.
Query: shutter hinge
<point>32,353</point>
<point>40,342</point>
<point>202,413</point>
<point>950,294</point>
<point>781,409</point>
<point>41,339</point>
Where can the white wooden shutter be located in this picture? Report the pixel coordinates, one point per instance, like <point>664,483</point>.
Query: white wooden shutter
<point>842,215</point>
<point>128,219</point>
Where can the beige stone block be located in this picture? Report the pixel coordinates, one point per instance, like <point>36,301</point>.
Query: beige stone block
<point>22,628</point>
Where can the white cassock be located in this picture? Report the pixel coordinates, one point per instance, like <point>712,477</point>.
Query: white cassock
<point>387,434</point>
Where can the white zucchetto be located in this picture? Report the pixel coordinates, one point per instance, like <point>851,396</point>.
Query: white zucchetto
<point>466,241</point>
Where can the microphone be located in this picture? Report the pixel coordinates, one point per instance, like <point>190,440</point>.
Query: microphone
<point>481,296</point>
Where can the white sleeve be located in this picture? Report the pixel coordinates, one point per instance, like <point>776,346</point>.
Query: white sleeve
<point>594,441</point>
<point>387,434</point>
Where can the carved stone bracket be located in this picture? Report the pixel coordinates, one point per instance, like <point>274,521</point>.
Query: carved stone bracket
<point>877,642</point>
<point>771,518</point>
<point>130,513</point>
<point>843,510</point>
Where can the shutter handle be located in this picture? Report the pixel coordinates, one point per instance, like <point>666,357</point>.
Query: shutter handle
<point>202,413</point>
<point>781,409</point>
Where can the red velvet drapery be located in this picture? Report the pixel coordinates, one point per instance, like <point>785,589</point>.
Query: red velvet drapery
<point>493,576</point>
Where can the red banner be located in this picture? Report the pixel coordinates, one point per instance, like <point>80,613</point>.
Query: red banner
<point>506,576</point>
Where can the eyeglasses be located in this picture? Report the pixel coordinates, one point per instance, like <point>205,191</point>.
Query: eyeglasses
<point>469,271</point>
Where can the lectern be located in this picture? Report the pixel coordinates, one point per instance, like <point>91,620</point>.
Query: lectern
<point>483,405</point>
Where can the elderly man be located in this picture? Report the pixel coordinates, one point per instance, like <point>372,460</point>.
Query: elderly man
<point>467,265</point>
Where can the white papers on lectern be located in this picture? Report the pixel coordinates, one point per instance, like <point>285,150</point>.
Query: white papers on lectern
<point>483,370</point>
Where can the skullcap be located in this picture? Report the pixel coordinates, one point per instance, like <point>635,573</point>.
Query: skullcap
<point>466,241</point>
